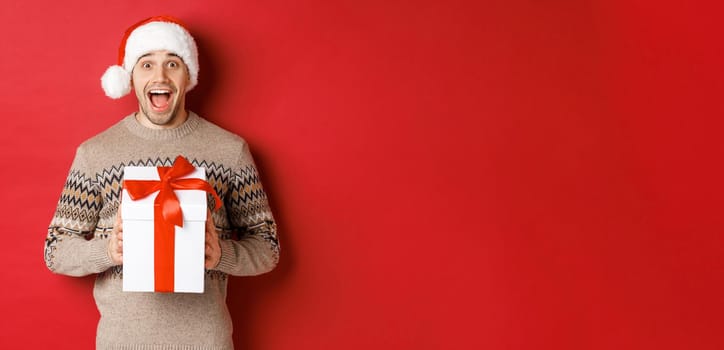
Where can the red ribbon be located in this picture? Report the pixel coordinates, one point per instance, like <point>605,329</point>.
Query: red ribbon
<point>167,213</point>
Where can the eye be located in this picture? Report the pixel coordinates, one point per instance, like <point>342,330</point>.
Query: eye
<point>173,64</point>
<point>146,65</point>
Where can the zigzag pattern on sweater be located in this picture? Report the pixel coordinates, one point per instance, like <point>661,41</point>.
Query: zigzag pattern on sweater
<point>82,199</point>
<point>84,202</point>
<point>79,201</point>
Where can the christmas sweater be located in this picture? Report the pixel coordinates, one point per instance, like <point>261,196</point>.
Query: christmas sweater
<point>77,240</point>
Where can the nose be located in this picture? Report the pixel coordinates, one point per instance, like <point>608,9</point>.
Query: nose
<point>159,74</point>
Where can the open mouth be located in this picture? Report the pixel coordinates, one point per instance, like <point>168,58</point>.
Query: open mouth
<point>160,99</point>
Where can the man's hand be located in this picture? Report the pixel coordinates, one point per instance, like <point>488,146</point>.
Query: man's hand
<point>212,255</point>
<point>115,243</point>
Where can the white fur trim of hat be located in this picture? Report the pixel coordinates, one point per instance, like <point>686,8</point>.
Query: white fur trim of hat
<point>153,34</point>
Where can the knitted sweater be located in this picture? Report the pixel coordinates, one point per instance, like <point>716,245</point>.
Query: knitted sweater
<point>77,240</point>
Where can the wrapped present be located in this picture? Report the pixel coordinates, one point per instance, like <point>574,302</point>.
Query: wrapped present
<point>164,227</point>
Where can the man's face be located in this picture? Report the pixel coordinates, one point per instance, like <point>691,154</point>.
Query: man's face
<point>160,79</point>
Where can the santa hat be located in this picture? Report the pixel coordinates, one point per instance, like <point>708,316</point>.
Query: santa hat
<point>151,34</point>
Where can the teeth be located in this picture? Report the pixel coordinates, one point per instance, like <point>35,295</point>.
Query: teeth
<point>160,92</point>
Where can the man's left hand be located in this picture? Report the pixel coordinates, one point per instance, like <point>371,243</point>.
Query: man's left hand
<point>212,255</point>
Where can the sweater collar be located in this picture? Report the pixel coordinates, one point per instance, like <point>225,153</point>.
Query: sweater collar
<point>191,123</point>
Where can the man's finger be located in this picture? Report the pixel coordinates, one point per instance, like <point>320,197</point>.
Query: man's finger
<point>209,220</point>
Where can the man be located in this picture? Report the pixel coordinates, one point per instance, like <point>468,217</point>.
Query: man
<point>158,60</point>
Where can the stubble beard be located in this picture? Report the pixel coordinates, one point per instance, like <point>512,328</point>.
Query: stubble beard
<point>155,118</point>
<point>159,119</point>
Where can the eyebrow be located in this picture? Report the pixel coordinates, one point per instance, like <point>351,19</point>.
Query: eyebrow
<point>167,55</point>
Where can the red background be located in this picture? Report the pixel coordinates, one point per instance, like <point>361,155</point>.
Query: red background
<point>446,174</point>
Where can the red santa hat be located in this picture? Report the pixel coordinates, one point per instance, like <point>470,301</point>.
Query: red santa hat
<point>151,34</point>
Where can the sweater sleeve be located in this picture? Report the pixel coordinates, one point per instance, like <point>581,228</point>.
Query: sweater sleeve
<point>256,249</point>
<point>71,247</point>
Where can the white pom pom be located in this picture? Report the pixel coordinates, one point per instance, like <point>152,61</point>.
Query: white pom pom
<point>116,82</point>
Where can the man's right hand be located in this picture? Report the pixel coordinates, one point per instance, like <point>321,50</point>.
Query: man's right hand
<point>115,243</point>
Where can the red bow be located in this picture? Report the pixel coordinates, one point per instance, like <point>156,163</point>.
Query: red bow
<point>170,180</point>
<point>167,213</point>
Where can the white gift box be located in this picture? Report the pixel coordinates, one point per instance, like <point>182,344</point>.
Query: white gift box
<point>138,236</point>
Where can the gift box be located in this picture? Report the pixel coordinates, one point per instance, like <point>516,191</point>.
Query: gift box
<point>164,226</point>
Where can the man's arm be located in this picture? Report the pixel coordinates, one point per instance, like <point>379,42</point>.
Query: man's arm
<point>70,253</point>
<point>74,245</point>
<point>256,251</point>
